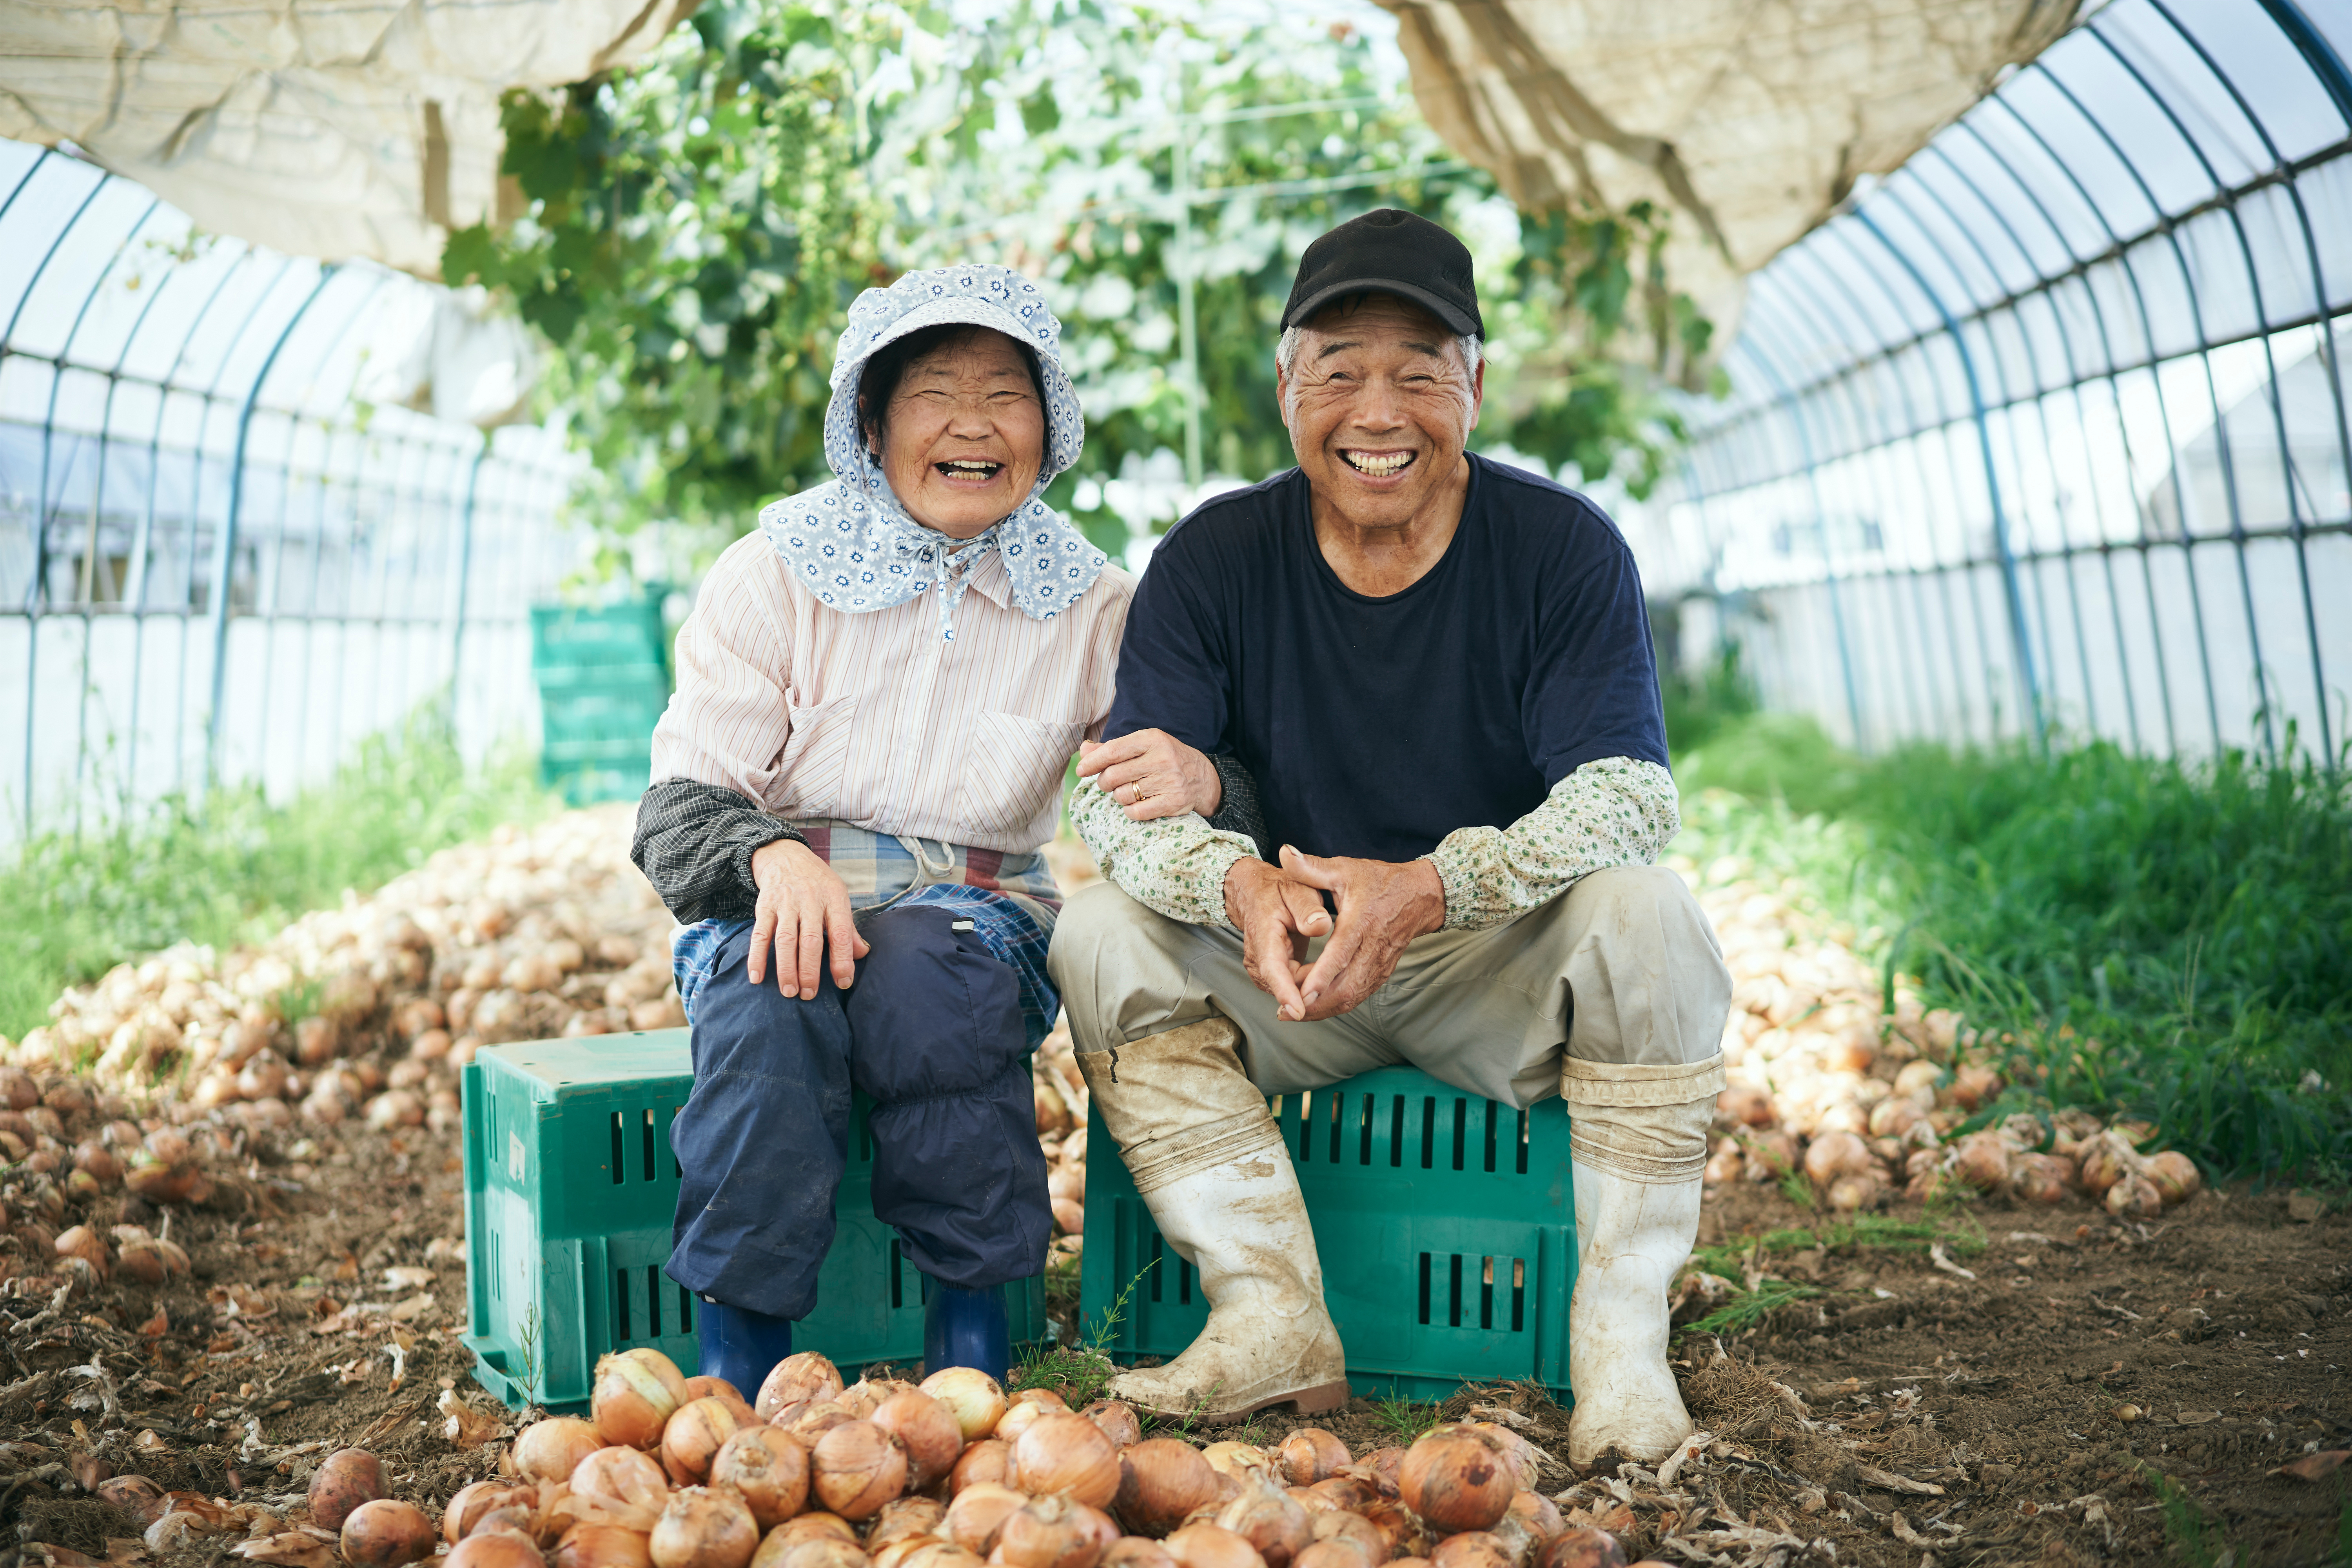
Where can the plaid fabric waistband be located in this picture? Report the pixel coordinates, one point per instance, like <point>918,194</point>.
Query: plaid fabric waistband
<point>879,867</point>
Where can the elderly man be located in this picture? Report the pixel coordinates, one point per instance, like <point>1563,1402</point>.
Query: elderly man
<point>1419,685</point>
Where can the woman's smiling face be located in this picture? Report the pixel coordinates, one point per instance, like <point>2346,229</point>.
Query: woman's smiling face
<point>963,437</point>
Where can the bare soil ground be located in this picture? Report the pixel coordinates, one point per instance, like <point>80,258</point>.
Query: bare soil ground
<point>2042,1412</point>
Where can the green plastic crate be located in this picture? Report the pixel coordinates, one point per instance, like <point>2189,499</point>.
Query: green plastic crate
<point>570,1192</point>
<point>603,680</point>
<point>1446,1224</point>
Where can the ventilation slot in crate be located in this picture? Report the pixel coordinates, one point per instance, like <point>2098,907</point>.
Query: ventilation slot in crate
<point>1451,1301</point>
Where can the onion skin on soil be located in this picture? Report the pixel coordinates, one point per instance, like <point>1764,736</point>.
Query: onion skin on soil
<point>1455,1480</point>
<point>603,1546</point>
<point>856,1468</point>
<point>768,1469</point>
<point>1067,1452</point>
<point>348,1478</point>
<point>704,1527</point>
<point>387,1532</point>
<point>801,1376</point>
<point>1162,1481</point>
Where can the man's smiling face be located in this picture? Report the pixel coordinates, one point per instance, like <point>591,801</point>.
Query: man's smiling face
<point>1380,401</point>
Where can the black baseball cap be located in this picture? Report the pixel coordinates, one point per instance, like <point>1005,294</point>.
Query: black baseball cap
<point>1390,252</point>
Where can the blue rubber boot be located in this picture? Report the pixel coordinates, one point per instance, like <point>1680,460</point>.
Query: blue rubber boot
<point>967,1327</point>
<point>741,1346</point>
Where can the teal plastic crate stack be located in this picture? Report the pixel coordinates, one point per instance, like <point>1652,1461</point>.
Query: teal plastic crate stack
<point>1445,1222</point>
<point>603,680</point>
<point>571,1189</point>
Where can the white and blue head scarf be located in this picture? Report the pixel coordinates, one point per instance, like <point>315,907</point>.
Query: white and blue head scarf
<point>851,543</point>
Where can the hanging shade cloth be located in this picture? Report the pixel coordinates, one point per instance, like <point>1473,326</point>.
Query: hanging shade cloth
<point>1747,120</point>
<point>327,128</point>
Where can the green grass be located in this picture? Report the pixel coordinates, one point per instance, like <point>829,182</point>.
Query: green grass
<point>1402,1420</point>
<point>2163,939</point>
<point>236,869</point>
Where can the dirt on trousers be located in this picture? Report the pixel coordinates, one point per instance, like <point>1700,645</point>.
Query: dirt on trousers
<point>2040,1412</point>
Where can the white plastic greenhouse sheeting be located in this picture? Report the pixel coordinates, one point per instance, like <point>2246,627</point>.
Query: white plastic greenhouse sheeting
<point>153,385</point>
<point>1747,122</point>
<point>333,129</point>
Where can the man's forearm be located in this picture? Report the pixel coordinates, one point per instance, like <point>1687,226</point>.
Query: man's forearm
<point>1613,812</point>
<point>1175,865</point>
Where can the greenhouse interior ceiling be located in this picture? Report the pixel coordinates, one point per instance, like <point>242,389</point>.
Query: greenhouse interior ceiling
<point>2031,417</point>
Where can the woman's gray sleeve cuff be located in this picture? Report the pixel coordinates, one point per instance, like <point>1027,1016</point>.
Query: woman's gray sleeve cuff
<point>695,843</point>
<point>1239,811</point>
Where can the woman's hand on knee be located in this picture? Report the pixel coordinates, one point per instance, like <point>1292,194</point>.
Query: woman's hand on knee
<point>803,908</point>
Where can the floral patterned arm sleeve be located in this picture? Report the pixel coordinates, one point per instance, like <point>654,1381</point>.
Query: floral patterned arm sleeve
<point>1176,865</point>
<point>1612,812</point>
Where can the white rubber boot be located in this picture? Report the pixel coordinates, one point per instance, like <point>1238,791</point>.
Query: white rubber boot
<point>1638,1143</point>
<point>1210,1163</point>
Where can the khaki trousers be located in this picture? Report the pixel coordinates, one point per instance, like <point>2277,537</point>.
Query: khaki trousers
<point>1621,969</point>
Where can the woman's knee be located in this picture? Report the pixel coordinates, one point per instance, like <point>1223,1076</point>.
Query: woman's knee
<point>933,1011</point>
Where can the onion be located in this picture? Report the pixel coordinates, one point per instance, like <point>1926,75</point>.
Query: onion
<point>804,1375</point>
<point>1265,1516</point>
<point>2174,1176</point>
<point>1517,1451</point>
<point>1834,1155</point>
<point>1982,1159</point>
<point>1310,1455</point>
<point>1241,1461</point>
<point>1212,1546</point>
<point>517,1519</point>
<point>768,1469</point>
<point>809,1526</point>
<point>1455,1480</point>
<point>1162,1481</point>
<point>704,1527</point>
<point>1339,1553</point>
<point>1038,1401</point>
<point>1046,1532</point>
<point>988,1461</point>
<point>465,1510</point>
<point>856,1468</point>
<point>1382,1467</point>
<point>1353,1530</point>
<point>343,1480</point>
<point>2135,1198</point>
<point>136,1495</point>
<point>2106,1160</point>
<point>866,1395</point>
<point>898,1549</point>
<point>386,1532</point>
<point>906,1517</point>
<point>975,1399</point>
<point>2039,1178</point>
<point>1344,1492</point>
<point>493,1549</point>
<point>1399,1527</point>
<point>1852,1193</point>
<point>1067,1452</point>
<point>810,1419</point>
<point>603,1546</point>
<point>1472,1548</point>
<point>927,1429</point>
<point>81,1241</point>
<point>978,1513</point>
<point>1135,1552</point>
<point>782,1551</point>
<point>1581,1549</point>
<point>1117,1418</point>
<point>692,1438</point>
<point>940,1554</point>
<point>1537,1514</point>
<point>726,1393</point>
<point>632,1402</point>
<point>620,1486</point>
<point>552,1449</point>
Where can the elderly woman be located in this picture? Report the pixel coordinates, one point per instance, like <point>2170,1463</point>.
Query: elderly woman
<point>877,693</point>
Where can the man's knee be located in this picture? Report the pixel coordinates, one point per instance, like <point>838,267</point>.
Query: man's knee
<point>1109,951</point>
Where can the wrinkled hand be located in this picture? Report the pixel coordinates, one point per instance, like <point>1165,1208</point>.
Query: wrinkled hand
<point>1383,906</point>
<point>803,907</point>
<point>1276,914</point>
<point>1152,773</point>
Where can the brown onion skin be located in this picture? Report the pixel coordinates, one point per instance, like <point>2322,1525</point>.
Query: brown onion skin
<point>856,1468</point>
<point>940,1554</point>
<point>1161,1485</point>
<point>1267,1519</point>
<point>978,1513</point>
<point>704,1527</point>
<point>1354,1531</point>
<point>1472,1548</point>
<point>719,1388</point>
<point>622,1478</point>
<point>926,1429</point>
<point>1455,1480</point>
<point>799,1377</point>
<point>768,1469</point>
<point>1211,1546</point>
<point>346,1479</point>
<point>975,1399</point>
<point>497,1549</point>
<point>1310,1455</point>
<point>782,1551</point>
<point>1537,1514</point>
<point>1398,1525</point>
<point>470,1503</point>
<point>1046,1531</point>
<point>603,1546</point>
<point>1118,1420</point>
<point>989,1459</point>
<point>905,1516</point>
<point>630,1404</point>
<point>1345,1492</point>
<point>1581,1549</point>
<point>1067,1452</point>
<point>1135,1552</point>
<point>387,1532</point>
<point>552,1449</point>
<point>811,1419</point>
<point>863,1397</point>
<point>693,1437</point>
<point>1342,1551</point>
<point>1517,1451</point>
<point>809,1526</point>
<point>1385,1466</point>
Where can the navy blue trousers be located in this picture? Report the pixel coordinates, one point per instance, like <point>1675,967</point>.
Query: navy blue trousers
<point>931,1032</point>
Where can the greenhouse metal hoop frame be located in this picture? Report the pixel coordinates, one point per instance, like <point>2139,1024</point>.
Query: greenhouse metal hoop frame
<point>1837,288</point>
